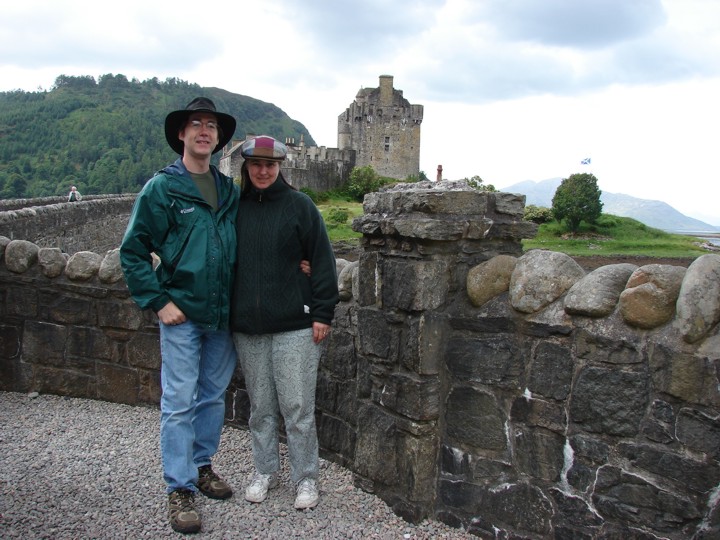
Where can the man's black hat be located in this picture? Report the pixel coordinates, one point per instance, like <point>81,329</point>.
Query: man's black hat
<point>175,121</point>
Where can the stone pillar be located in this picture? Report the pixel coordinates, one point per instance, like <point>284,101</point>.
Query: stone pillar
<point>419,241</point>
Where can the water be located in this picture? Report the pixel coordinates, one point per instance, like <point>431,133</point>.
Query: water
<point>712,237</point>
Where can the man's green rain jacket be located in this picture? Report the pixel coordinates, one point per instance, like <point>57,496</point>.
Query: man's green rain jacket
<point>196,246</point>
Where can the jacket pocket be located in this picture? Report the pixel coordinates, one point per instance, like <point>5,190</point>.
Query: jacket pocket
<point>177,240</point>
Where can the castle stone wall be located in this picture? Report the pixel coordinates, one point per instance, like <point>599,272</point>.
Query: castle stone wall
<point>507,393</point>
<point>312,167</point>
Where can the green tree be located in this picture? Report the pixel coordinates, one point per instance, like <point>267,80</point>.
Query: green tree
<point>15,187</point>
<point>477,183</point>
<point>577,199</point>
<point>363,180</point>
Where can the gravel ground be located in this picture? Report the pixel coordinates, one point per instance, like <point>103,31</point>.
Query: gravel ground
<point>78,468</point>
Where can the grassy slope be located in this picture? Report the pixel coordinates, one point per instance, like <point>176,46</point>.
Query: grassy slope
<point>612,235</point>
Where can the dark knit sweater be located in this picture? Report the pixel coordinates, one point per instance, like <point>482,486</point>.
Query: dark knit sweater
<point>277,228</point>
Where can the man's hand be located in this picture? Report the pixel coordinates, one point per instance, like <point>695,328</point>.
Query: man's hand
<point>171,315</point>
<point>305,267</point>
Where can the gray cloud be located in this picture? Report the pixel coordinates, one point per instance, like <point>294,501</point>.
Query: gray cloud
<point>560,47</point>
<point>361,30</point>
<point>573,23</point>
<point>494,50</point>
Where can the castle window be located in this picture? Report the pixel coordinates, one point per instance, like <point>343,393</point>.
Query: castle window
<point>387,144</point>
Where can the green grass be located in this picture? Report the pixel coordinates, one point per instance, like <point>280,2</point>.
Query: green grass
<point>611,235</point>
<point>614,235</point>
<point>341,232</point>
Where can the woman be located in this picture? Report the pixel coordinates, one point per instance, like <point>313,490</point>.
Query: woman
<point>280,316</point>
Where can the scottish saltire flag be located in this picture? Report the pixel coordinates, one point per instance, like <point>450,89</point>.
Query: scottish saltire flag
<point>585,161</point>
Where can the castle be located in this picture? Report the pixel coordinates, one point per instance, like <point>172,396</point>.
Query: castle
<point>380,129</point>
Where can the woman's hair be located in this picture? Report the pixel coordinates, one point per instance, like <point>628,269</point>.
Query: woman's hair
<point>246,184</point>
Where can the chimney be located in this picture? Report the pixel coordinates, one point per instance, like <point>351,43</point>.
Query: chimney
<point>439,173</point>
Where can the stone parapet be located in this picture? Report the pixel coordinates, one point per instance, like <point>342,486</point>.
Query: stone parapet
<point>508,393</point>
<point>97,223</point>
<point>69,327</point>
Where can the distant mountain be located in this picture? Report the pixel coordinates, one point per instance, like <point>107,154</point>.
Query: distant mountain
<point>656,214</point>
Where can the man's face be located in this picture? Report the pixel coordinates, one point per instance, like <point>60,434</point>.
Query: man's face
<point>200,134</point>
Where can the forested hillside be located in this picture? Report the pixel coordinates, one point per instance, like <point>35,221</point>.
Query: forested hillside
<point>107,136</point>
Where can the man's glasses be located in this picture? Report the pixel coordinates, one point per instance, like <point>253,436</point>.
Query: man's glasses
<point>210,124</point>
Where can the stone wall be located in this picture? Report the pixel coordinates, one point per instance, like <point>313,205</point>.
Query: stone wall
<point>312,167</point>
<point>510,394</point>
<point>69,327</point>
<point>95,223</point>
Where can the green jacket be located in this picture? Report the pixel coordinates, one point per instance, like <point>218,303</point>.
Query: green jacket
<point>196,246</point>
<point>277,228</point>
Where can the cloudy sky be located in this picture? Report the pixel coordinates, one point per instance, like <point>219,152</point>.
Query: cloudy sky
<point>513,90</point>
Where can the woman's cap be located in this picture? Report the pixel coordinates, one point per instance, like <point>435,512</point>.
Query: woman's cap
<point>263,147</point>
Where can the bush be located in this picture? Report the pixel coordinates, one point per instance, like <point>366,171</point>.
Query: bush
<point>317,197</point>
<point>310,193</point>
<point>538,214</point>
<point>363,180</point>
<point>337,216</point>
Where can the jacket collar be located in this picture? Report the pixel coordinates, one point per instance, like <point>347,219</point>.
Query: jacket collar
<point>272,192</point>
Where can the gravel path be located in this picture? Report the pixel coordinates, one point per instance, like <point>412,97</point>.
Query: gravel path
<point>80,469</point>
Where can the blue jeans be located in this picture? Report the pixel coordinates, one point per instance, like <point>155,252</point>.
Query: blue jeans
<point>197,366</point>
<point>280,376</point>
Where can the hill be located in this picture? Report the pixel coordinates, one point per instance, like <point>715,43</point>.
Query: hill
<point>652,213</point>
<point>107,136</point>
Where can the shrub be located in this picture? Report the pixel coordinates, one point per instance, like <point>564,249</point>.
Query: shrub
<point>538,214</point>
<point>337,216</point>
<point>310,193</point>
<point>363,180</point>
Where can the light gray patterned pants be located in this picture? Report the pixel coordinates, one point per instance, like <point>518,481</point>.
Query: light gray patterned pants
<point>280,375</point>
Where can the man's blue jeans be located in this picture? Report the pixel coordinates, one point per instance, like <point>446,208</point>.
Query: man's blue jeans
<point>197,366</point>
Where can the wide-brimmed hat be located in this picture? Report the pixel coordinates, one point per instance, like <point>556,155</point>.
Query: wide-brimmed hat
<point>263,147</point>
<point>175,121</point>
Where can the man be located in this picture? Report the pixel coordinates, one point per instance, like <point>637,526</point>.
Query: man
<point>74,195</point>
<point>185,215</point>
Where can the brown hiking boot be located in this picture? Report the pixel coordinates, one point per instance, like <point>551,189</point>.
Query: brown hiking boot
<point>181,509</point>
<point>211,485</point>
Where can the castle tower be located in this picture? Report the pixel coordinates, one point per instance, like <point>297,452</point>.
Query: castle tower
<point>384,130</point>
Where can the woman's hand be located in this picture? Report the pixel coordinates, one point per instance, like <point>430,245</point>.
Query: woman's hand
<point>320,331</point>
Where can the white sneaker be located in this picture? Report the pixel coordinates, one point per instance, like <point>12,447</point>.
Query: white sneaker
<point>307,494</point>
<point>259,485</point>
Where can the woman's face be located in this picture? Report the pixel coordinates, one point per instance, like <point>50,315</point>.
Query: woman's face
<point>263,172</point>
